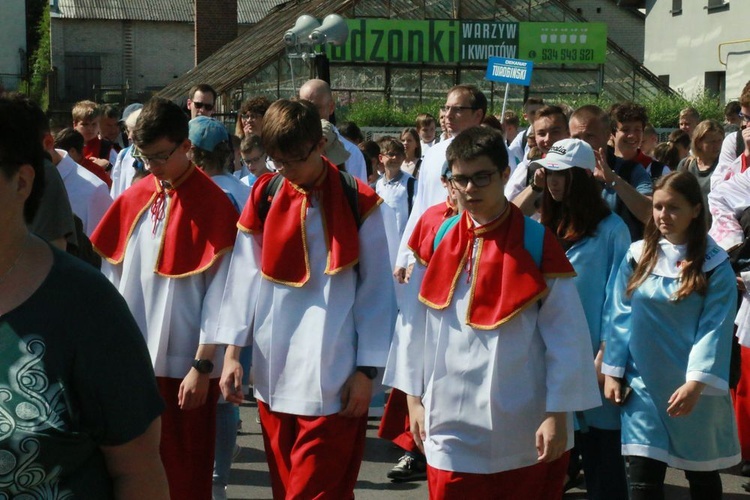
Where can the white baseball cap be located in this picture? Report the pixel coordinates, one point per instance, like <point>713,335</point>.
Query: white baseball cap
<point>568,153</point>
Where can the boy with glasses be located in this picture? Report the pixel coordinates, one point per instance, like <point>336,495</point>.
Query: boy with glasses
<point>309,286</point>
<point>164,240</point>
<point>253,159</point>
<point>493,356</point>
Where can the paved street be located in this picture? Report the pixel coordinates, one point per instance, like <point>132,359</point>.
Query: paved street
<point>249,479</point>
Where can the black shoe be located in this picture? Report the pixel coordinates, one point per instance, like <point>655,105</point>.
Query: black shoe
<point>745,469</point>
<point>408,468</point>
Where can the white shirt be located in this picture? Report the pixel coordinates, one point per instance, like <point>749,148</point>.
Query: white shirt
<point>430,192</point>
<point>395,195</point>
<point>89,196</point>
<point>122,172</point>
<point>170,312</point>
<point>355,164</point>
<point>517,181</point>
<point>518,150</point>
<point>308,340</point>
<point>237,191</point>
<point>485,392</point>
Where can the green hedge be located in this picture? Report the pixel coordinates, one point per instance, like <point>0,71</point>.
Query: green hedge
<point>663,111</point>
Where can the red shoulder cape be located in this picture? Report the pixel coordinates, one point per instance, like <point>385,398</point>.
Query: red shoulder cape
<point>284,257</point>
<point>199,225</point>
<point>423,237</point>
<point>504,278</point>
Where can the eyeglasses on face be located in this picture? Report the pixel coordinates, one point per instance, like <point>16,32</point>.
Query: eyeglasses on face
<point>280,163</point>
<point>154,160</point>
<point>392,154</point>
<point>201,105</point>
<point>745,118</point>
<point>248,161</point>
<point>480,179</point>
<point>455,109</point>
<point>251,116</point>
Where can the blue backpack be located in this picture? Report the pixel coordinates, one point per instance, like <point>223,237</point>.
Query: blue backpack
<point>533,236</point>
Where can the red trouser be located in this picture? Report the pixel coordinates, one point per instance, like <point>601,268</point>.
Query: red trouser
<point>394,426</point>
<point>542,481</point>
<point>188,440</point>
<point>741,396</point>
<point>312,457</point>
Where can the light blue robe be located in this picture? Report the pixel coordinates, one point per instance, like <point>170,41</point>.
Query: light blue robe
<point>596,260</point>
<point>658,344</point>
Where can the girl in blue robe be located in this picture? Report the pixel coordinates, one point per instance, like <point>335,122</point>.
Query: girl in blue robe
<point>670,344</point>
<point>595,241</point>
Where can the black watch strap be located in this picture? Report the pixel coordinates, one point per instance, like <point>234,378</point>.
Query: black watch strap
<point>369,371</point>
<point>204,366</point>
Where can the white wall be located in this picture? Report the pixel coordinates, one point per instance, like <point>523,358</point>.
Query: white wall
<point>685,46</point>
<point>12,39</point>
<point>625,28</point>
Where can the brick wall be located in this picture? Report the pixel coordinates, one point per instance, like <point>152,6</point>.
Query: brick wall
<point>215,26</point>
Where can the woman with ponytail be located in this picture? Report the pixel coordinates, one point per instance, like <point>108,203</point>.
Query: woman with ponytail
<point>667,357</point>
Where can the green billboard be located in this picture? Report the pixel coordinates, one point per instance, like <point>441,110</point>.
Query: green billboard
<point>452,42</point>
<point>563,42</point>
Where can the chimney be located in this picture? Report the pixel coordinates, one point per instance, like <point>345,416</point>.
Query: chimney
<point>215,26</point>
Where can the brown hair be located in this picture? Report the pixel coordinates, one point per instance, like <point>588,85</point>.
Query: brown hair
<point>84,110</point>
<point>291,127</point>
<point>692,277</point>
<point>702,129</point>
<point>580,212</point>
<point>415,135</point>
<point>424,119</point>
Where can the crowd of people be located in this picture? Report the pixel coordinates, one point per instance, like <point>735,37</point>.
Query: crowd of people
<point>563,302</point>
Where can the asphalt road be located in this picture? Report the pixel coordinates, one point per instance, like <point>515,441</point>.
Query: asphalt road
<point>250,480</point>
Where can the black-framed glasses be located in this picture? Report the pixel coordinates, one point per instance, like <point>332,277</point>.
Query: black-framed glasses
<point>281,163</point>
<point>480,179</point>
<point>246,117</point>
<point>455,109</point>
<point>201,105</point>
<point>744,117</point>
<point>154,160</point>
<point>248,161</point>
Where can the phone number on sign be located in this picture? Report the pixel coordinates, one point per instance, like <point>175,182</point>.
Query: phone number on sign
<point>564,55</point>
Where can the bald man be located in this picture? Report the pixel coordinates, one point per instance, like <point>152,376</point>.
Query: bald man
<point>319,93</point>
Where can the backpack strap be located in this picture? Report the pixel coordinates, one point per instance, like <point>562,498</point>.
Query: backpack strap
<point>410,192</point>
<point>351,191</point>
<point>264,205</point>
<point>348,184</point>
<point>446,226</point>
<point>533,240</point>
<point>739,143</point>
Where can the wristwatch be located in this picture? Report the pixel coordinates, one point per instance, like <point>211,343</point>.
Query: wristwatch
<point>536,189</point>
<point>204,366</point>
<point>369,371</point>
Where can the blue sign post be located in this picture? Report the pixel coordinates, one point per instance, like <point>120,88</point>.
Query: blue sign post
<point>515,71</point>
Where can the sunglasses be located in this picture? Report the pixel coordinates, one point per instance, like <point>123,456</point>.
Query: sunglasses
<point>201,105</point>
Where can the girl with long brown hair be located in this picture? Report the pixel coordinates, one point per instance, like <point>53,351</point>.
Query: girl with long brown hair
<point>669,348</point>
<point>595,241</point>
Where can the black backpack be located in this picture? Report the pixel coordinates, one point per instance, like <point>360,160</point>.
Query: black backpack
<point>348,183</point>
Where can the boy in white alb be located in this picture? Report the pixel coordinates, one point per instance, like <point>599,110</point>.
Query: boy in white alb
<point>164,241</point>
<point>396,187</point>
<point>494,356</point>
<point>309,285</point>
